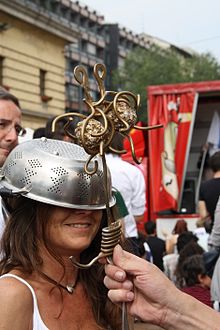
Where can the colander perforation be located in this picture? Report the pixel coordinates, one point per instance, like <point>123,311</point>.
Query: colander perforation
<point>84,176</point>
<point>98,184</point>
<point>84,183</point>
<point>8,168</point>
<point>18,155</point>
<point>34,163</point>
<point>56,188</point>
<point>53,171</point>
<point>62,149</point>
<point>60,171</point>
<point>100,173</point>
<point>29,174</point>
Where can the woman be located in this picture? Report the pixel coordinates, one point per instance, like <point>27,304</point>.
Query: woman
<point>179,228</point>
<point>191,248</point>
<point>197,281</point>
<point>57,211</point>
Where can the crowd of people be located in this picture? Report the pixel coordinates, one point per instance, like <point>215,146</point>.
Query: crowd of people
<point>52,212</point>
<point>191,269</point>
<point>188,265</point>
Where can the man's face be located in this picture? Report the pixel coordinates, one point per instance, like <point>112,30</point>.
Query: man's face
<point>10,118</point>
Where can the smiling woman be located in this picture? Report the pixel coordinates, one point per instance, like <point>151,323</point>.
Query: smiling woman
<point>56,211</point>
<point>73,230</point>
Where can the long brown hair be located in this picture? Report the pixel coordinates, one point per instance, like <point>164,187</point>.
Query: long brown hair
<point>19,246</point>
<point>180,227</point>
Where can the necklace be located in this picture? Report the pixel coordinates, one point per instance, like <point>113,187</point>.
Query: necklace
<point>69,287</point>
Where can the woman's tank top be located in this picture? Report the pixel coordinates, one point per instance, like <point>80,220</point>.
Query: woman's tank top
<point>38,324</point>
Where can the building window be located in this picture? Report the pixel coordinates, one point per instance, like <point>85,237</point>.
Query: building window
<point>70,65</point>
<point>91,49</point>
<point>2,60</point>
<point>44,97</point>
<point>100,52</point>
<point>1,69</point>
<point>83,46</point>
<point>72,93</point>
<point>42,82</point>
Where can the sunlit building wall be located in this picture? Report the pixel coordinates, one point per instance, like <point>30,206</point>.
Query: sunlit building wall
<point>42,41</point>
<point>32,62</point>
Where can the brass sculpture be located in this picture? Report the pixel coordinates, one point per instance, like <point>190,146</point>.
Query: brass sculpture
<point>113,112</point>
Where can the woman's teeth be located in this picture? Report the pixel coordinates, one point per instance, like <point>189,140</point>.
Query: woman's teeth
<point>79,225</point>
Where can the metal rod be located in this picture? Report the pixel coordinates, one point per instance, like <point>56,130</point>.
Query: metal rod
<point>105,172</point>
<point>125,323</point>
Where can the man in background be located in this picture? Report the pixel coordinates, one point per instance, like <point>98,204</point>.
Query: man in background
<point>210,191</point>
<point>10,129</point>
<point>156,245</point>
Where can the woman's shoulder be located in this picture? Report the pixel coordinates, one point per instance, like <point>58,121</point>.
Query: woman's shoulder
<point>172,238</point>
<point>11,288</point>
<point>170,243</point>
<point>16,304</point>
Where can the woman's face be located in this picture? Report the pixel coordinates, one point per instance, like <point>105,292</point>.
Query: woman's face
<point>71,231</point>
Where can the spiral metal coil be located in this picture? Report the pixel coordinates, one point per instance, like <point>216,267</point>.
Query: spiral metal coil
<point>110,238</point>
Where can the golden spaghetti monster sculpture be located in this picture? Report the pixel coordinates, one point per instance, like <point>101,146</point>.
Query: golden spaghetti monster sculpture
<point>113,112</point>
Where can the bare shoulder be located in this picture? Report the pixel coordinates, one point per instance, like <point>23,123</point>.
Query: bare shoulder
<point>14,287</point>
<point>15,299</point>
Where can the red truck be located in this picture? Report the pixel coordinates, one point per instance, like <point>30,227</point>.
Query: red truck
<point>170,154</point>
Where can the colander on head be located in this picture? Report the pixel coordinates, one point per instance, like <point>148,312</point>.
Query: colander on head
<point>52,172</point>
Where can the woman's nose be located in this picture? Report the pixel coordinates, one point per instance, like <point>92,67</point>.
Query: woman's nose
<point>83,211</point>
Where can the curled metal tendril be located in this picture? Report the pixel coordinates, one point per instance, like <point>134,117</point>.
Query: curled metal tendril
<point>81,77</point>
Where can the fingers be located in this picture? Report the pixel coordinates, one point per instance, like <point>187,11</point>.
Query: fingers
<point>120,288</point>
<point>115,272</point>
<point>120,295</point>
<point>129,262</point>
<point>111,283</point>
<point>117,275</point>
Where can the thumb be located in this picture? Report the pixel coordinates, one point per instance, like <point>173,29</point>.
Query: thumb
<point>129,262</point>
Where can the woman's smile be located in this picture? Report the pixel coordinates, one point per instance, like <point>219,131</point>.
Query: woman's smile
<point>73,230</point>
<point>79,225</point>
<point>83,220</point>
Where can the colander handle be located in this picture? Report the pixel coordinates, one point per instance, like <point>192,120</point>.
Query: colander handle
<point>6,192</point>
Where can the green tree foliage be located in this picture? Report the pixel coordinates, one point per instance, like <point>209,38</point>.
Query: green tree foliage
<point>157,66</point>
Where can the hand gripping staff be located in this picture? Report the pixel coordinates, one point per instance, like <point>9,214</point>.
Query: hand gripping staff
<point>113,112</point>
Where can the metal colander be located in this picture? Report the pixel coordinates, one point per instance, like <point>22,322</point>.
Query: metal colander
<point>52,172</point>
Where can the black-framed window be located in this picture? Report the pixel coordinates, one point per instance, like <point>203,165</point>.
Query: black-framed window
<point>1,69</point>
<point>42,82</point>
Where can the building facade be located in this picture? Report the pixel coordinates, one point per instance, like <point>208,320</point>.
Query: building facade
<point>87,51</point>
<point>41,41</point>
<point>32,59</point>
